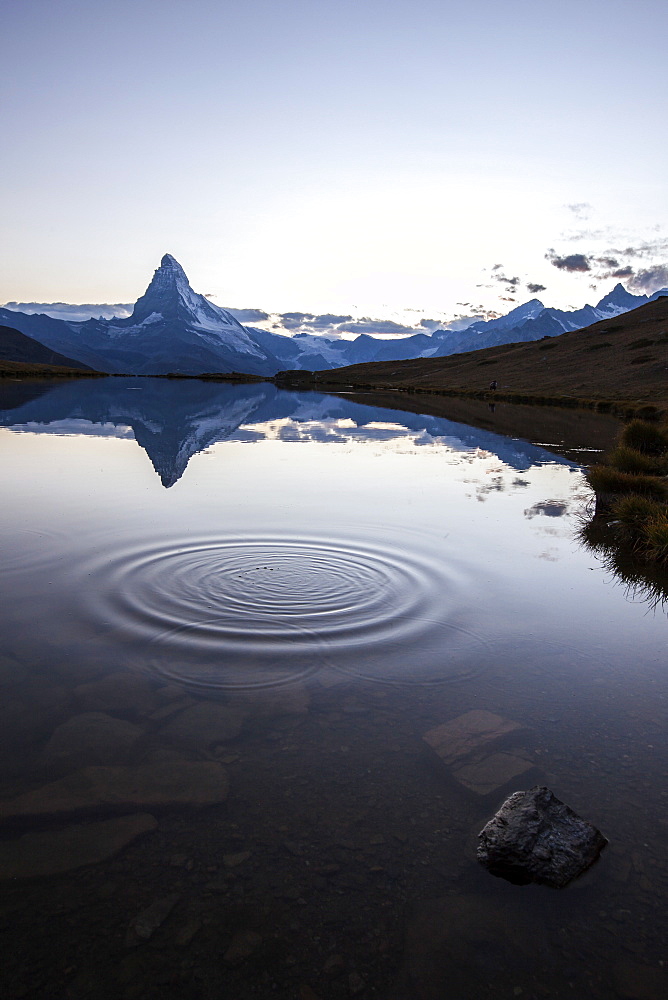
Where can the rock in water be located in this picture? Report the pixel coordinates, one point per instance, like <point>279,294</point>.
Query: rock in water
<point>534,837</point>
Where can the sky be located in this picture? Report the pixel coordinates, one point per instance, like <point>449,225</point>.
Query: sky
<point>401,160</point>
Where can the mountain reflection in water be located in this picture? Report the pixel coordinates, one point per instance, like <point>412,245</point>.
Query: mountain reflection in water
<point>174,420</point>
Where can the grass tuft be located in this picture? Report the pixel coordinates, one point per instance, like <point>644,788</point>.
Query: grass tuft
<point>645,437</point>
<point>631,460</point>
<point>607,479</point>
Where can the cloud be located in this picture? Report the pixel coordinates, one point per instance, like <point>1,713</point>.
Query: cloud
<point>572,262</point>
<point>580,209</point>
<point>328,319</point>
<point>248,315</point>
<point>650,279</point>
<point>295,320</point>
<point>534,287</point>
<point>511,283</point>
<point>430,325</point>
<point>384,326</point>
<point>497,267</point>
<point>310,323</point>
<point>74,313</point>
<point>621,272</point>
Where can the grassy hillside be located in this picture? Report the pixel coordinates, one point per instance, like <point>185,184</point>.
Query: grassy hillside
<point>622,359</point>
<point>17,346</point>
<point>29,369</point>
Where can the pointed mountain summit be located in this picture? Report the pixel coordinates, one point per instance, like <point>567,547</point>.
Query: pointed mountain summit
<point>169,295</point>
<point>171,329</point>
<point>619,300</point>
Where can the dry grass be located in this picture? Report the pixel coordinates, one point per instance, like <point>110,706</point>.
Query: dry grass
<point>632,498</point>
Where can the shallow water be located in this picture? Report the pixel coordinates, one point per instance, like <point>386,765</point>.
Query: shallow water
<point>338,578</point>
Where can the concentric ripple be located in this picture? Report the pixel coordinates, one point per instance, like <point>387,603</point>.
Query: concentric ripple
<point>33,549</point>
<point>257,611</point>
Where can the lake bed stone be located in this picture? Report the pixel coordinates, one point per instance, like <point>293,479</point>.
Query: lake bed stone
<point>123,789</point>
<point>469,733</point>
<point>147,921</point>
<point>91,738</point>
<point>470,748</point>
<point>491,772</point>
<point>535,837</point>
<point>50,853</point>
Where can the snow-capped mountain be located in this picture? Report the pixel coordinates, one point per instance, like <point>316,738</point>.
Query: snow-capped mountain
<point>173,329</point>
<point>533,321</point>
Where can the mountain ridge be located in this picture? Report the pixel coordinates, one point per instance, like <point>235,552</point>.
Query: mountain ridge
<point>173,329</point>
<point>621,358</point>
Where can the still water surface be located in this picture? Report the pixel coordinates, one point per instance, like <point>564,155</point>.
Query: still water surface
<point>292,589</point>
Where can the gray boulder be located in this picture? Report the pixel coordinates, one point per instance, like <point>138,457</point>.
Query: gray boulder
<point>534,837</point>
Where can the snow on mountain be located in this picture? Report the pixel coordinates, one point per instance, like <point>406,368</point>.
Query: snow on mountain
<point>172,328</point>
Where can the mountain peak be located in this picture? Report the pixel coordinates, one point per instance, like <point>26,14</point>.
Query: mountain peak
<point>168,293</point>
<point>171,262</point>
<point>619,300</point>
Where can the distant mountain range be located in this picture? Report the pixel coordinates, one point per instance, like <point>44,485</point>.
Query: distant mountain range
<point>621,358</point>
<point>174,329</point>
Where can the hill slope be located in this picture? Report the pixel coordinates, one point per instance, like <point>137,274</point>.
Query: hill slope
<point>623,358</point>
<point>17,346</point>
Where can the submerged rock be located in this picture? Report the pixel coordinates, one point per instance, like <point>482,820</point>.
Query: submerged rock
<point>470,748</point>
<point>123,789</point>
<point>534,837</point>
<point>55,851</point>
<point>146,923</point>
<point>91,738</point>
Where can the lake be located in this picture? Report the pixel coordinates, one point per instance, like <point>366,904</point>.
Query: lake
<point>230,614</point>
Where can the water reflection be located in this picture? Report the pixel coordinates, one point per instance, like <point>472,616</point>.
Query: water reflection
<point>214,699</point>
<point>172,421</point>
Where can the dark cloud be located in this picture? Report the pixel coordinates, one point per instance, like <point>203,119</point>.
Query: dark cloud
<point>572,262</point>
<point>512,283</point>
<point>248,315</point>
<point>622,272</point>
<point>497,267</point>
<point>607,261</point>
<point>649,279</point>
<point>534,287</point>
<point>431,324</point>
<point>329,319</point>
<point>310,323</point>
<point>293,320</point>
<point>507,298</point>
